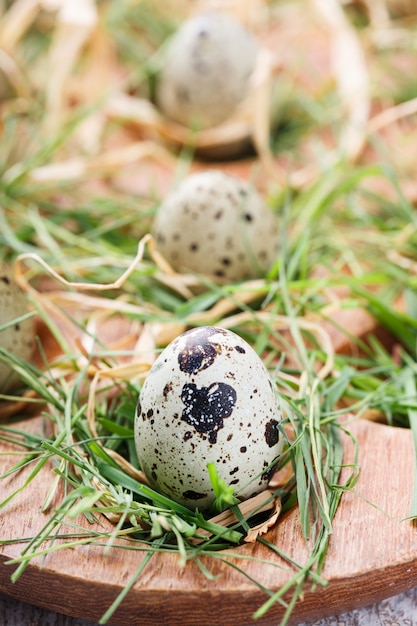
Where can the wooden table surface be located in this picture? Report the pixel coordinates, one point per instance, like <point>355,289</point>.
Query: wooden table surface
<point>399,610</point>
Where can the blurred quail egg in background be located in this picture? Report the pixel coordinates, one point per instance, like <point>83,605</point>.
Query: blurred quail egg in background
<point>18,338</point>
<point>206,70</point>
<point>208,398</point>
<point>217,225</point>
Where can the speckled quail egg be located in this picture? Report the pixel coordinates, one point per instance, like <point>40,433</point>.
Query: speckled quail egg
<point>207,70</point>
<point>208,398</point>
<point>217,225</point>
<point>18,339</point>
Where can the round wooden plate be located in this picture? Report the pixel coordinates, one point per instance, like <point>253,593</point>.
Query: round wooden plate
<point>373,550</point>
<point>373,553</point>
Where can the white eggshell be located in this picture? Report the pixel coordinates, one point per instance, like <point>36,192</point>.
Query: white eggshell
<point>217,225</point>
<point>17,339</point>
<point>206,71</point>
<point>208,398</point>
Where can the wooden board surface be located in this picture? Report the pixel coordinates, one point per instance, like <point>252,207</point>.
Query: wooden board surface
<point>373,554</point>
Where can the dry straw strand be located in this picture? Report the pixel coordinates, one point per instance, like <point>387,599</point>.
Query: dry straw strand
<point>15,22</point>
<point>351,75</point>
<point>76,21</point>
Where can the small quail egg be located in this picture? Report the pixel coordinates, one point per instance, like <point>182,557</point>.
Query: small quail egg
<point>217,225</point>
<point>208,398</point>
<point>207,69</point>
<point>17,339</point>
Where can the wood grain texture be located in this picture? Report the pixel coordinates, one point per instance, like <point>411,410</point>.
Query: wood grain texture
<point>373,554</point>
<point>400,610</point>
